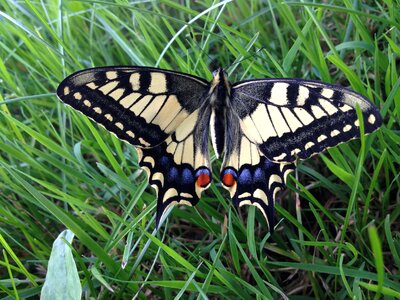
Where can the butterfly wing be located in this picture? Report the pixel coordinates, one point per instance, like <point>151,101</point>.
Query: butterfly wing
<point>293,118</point>
<point>142,106</point>
<point>250,177</point>
<point>179,168</point>
<point>159,112</point>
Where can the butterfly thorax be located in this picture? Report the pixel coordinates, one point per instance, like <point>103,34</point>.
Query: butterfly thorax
<point>219,100</point>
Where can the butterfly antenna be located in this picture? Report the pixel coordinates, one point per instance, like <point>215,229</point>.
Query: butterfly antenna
<point>212,60</point>
<point>244,58</point>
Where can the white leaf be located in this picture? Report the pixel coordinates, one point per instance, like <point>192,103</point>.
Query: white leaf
<point>62,280</point>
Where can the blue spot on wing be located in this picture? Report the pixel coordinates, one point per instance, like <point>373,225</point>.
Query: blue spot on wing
<point>187,176</point>
<point>164,162</point>
<point>172,174</point>
<point>259,175</point>
<point>245,176</point>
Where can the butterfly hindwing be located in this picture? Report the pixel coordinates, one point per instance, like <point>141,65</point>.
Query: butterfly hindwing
<point>142,106</point>
<point>179,168</point>
<point>293,118</point>
<point>250,177</point>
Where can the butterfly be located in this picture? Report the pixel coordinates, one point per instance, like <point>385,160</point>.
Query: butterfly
<point>259,127</point>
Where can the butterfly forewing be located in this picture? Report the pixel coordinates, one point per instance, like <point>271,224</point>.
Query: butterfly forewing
<point>142,106</point>
<point>292,118</point>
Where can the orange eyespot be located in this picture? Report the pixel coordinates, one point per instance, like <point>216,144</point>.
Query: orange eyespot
<point>229,176</point>
<point>203,180</point>
<point>228,179</point>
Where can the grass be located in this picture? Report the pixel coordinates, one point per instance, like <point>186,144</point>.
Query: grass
<point>338,221</point>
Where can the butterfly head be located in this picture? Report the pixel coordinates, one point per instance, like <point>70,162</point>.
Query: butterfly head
<point>219,75</point>
<point>220,85</point>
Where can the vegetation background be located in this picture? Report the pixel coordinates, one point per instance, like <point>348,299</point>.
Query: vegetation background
<point>338,221</point>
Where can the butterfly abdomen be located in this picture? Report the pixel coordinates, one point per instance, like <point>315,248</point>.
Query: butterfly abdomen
<point>217,126</point>
<point>218,98</point>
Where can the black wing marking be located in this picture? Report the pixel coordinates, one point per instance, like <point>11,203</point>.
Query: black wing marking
<point>179,168</point>
<point>250,177</point>
<point>142,106</point>
<point>293,118</point>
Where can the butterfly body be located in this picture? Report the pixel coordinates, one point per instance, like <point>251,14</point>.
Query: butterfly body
<point>259,127</point>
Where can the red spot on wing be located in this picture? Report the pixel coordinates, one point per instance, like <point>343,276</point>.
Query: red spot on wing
<point>228,179</point>
<point>203,180</point>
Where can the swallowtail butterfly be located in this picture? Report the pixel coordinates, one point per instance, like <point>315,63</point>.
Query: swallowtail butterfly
<point>259,126</point>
